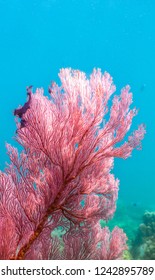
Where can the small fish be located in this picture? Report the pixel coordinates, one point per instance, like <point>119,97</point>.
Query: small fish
<point>134,204</point>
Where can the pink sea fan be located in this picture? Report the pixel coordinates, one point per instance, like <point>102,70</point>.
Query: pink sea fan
<point>87,243</point>
<point>62,177</point>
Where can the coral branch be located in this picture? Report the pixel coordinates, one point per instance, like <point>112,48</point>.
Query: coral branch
<point>62,178</point>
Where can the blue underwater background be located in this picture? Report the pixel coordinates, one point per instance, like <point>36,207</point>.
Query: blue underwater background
<point>38,37</point>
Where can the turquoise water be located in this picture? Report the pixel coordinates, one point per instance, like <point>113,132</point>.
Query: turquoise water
<point>37,38</point>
